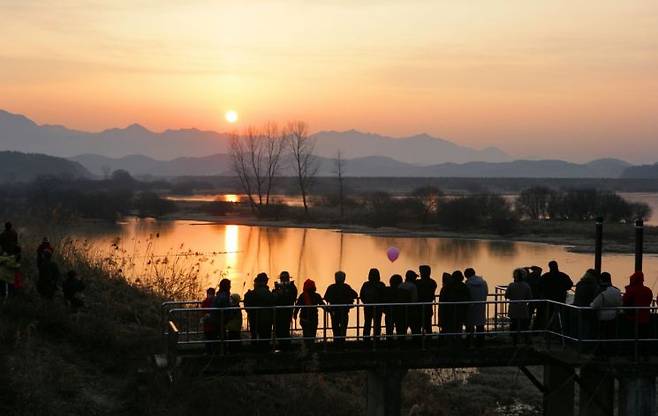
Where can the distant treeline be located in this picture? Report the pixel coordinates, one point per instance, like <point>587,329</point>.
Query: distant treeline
<point>108,199</point>
<point>327,185</point>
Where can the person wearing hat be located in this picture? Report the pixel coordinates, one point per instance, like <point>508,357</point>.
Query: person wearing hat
<point>606,303</point>
<point>260,319</point>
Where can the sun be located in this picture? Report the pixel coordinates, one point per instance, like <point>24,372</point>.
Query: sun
<point>231,116</point>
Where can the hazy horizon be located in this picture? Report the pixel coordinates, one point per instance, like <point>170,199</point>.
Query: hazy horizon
<point>553,80</point>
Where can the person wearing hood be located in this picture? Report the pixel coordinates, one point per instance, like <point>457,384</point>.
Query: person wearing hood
<point>587,288</point>
<point>605,304</point>
<point>307,311</point>
<point>477,312</point>
<point>260,318</point>
<point>371,292</point>
<point>426,293</point>
<point>340,293</point>
<point>518,292</point>
<point>285,294</point>
<point>637,295</point>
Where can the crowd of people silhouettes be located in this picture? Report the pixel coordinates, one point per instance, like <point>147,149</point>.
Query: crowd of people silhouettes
<point>49,280</point>
<point>406,306</point>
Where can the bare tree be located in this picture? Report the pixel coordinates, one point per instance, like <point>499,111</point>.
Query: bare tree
<point>274,142</point>
<point>305,164</point>
<point>239,152</point>
<point>256,158</point>
<point>340,168</point>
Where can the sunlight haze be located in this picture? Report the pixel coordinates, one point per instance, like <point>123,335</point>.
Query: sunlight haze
<point>561,79</point>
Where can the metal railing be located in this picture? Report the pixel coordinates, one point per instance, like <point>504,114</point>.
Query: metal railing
<point>632,331</point>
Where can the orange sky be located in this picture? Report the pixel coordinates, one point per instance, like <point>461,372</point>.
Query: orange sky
<point>549,78</point>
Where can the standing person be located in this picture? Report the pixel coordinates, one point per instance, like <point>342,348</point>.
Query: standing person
<point>307,311</point>
<point>339,293</point>
<point>48,277</point>
<point>411,315</point>
<point>44,247</point>
<point>260,318</point>
<point>394,318</point>
<point>285,294</point>
<point>224,313</point>
<point>519,291</point>
<point>604,304</point>
<point>454,316</point>
<point>8,239</point>
<point>554,287</point>
<point>477,312</point>
<point>426,293</point>
<point>637,295</point>
<point>234,324</point>
<point>71,287</point>
<point>445,311</point>
<point>208,323</point>
<point>587,289</point>
<point>372,291</point>
<point>533,280</point>
<point>10,276</point>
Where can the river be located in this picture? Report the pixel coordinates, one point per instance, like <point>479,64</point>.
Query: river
<point>240,252</point>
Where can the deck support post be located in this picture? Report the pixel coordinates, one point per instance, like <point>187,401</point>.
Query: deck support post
<point>597,392</point>
<point>559,382</point>
<point>637,395</point>
<point>384,390</point>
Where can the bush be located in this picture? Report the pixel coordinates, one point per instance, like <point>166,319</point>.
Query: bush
<point>487,211</point>
<point>149,204</point>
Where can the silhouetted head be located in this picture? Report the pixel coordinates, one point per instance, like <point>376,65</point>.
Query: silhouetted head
<point>395,280</point>
<point>591,274</point>
<point>637,278</point>
<point>45,240</point>
<point>552,266</point>
<point>210,292</point>
<point>309,286</point>
<point>469,272</point>
<point>225,286</point>
<point>261,279</point>
<point>605,279</point>
<point>425,271</point>
<point>8,226</point>
<point>284,276</point>
<point>536,269</point>
<point>410,276</point>
<point>458,276</point>
<point>519,274</point>
<point>339,277</point>
<point>235,297</point>
<point>446,278</point>
<point>373,275</point>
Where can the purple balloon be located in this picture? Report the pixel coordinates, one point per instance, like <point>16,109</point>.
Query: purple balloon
<point>393,253</point>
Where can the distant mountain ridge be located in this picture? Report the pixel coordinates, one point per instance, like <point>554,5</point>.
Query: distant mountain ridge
<point>641,172</point>
<point>371,166</point>
<point>19,133</point>
<point>25,167</point>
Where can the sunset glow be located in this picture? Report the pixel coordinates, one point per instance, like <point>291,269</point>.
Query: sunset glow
<point>556,78</point>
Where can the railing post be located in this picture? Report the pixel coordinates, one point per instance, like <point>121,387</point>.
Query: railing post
<point>639,244</point>
<point>598,251</point>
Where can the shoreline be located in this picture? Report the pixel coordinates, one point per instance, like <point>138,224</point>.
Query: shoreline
<point>571,243</point>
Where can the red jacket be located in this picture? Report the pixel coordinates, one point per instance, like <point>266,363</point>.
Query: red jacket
<point>638,295</point>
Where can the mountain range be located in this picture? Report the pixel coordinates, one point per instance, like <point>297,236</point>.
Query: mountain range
<point>371,166</point>
<point>19,133</point>
<point>192,152</point>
